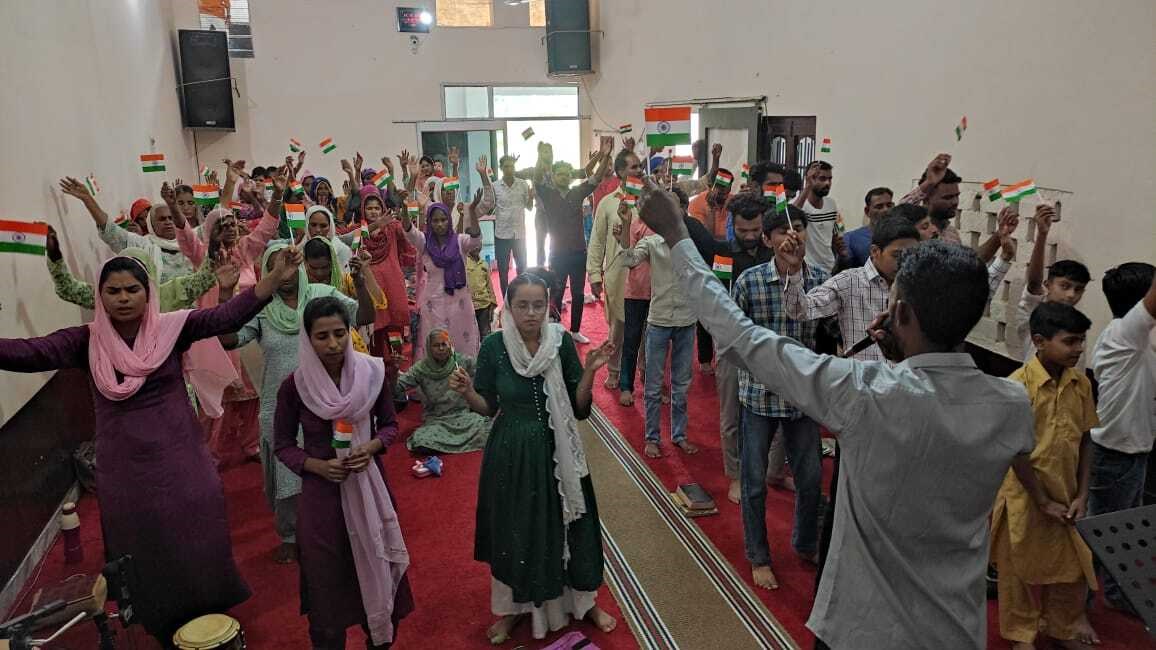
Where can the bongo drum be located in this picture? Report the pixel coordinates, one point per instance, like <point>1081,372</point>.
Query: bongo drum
<point>212,631</point>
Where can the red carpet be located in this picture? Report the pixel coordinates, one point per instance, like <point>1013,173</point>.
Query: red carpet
<point>791,603</point>
<point>451,590</point>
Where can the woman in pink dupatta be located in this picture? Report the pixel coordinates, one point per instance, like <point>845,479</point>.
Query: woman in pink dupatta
<point>387,247</point>
<point>233,437</point>
<point>352,555</point>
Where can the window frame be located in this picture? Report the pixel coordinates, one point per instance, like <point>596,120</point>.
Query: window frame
<point>490,98</point>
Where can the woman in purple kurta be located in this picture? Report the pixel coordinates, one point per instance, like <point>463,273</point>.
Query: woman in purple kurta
<point>161,499</point>
<point>332,595</point>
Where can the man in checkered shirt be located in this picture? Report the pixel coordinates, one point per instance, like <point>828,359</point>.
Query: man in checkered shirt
<point>758,292</point>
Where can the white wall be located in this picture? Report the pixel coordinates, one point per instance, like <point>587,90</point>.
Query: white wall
<point>86,84</point>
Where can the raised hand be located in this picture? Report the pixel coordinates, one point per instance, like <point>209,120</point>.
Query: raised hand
<point>52,245</point>
<point>599,356</point>
<point>167,194</point>
<point>937,168</point>
<point>606,145</point>
<point>287,264</point>
<point>356,266</point>
<point>628,143</point>
<point>460,381</point>
<point>483,165</point>
<point>403,159</point>
<point>358,160</point>
<point>716,150</point>
<point>75,188</point>
<point>476,201</point>
<point>228,274</point>
<point>346,166</point>
<point>280,182</point>
<point>625,214</point>
<point>388,164</point>
<point>234,170</point>
<point>661,211</point>
<point>1045,215</point>
<point>791,252</point>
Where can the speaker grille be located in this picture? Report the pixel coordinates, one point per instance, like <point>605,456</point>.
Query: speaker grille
<point>206,84</point>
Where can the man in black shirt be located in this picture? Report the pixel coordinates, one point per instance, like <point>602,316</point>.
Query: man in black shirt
<point>560,207</point>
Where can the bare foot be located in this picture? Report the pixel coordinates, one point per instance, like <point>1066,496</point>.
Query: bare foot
<point>782,483</point>
<point>735,492</point>
<point>499,632</point>
<point>285,554</point>
<point>611,382</point>
<point>604,621</point>
<point>1085,634</point>
<point>687,446</point>
<point>625,399</point>
<point>764,578</point>
<point>652,451</point>
<point>706,369</point>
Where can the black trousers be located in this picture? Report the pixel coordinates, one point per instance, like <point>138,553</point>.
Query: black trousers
<point>825,534</point>
<point>502,250</point>
<point>705,346</point>
<point>636,313</point>
<point>570,266</point>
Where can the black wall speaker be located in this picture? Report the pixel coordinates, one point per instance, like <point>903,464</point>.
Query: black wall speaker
<point>568,37</point>
<point>206,83</point>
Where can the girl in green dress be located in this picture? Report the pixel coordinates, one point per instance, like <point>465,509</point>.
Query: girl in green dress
<point>448,425</point>
<point>537,519</point>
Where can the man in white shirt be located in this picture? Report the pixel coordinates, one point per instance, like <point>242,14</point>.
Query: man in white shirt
<point>514,197</point>
<point>1125,365</point>
<point>822,213</point>
<point>926,444</point>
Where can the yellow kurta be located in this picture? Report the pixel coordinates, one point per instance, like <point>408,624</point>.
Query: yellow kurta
<point>1042,550</point>
<point>604,261</point>
<point>379,303</point>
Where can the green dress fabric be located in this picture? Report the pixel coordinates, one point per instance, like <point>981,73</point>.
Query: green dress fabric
<point>519,530</point>
<point>448,425</point>
<point>180,292</point>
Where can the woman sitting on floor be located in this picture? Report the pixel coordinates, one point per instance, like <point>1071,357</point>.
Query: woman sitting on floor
<point>448,425</point>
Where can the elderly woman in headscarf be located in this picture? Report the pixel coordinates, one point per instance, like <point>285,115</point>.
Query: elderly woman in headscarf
<point>160,242</point>
<point>276,330</point>
<point>447,424</point>
<point>161,499</point>
<point>537,520</point>
<point>443,297</point>
<point>386,245</point>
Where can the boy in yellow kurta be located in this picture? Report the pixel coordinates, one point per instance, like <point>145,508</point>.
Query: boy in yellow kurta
<point>481,289</point>
<point>1045,568</point>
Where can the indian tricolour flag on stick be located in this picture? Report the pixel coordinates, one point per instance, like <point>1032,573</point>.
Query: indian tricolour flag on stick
<point>294,145</point>
<point>682,165</point>
<point>625,128</point>
<point>992,189</point>
<point>359,236</point>
<point>450,183</point>
<point>781,199</point>
<point>668,126</point>
<point>206,194</point>
<point>327,145</point>
<point>960,128</point>
<point>633,185</point>
<point>723,267</point>
<point>825,146</point>
<point>1013,193</point>
<point>296,187</point>
<point>630,200</point>
<point>382,179</point>
<point>92,185</point>
<point>295,216</point>
<point>745,172</point>
<point>152,162</point>
<point>342,434</point>
<point>411,209</point>
<point>23,237</point>
<point>204,172</point>
<point>528,133</point>
<point>122,220</point>
<point>724,179</point>
<point>395,341</point>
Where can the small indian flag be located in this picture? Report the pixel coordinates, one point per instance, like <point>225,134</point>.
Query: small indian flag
<point>294,145</point>
<point>268,191</point>
<point>528,133</point>
<point>206,194</point>
<point>395,341</point>
<point>724,179</point>
<point>295,215</point>
<point>296,187</point>
<point>682,165</point>
<point>723,267</point>
<point>780,198</point>
<point>1013,193</point>
<point>361,234</point>
<point>630,200</point>
<point>122,220</point>
<point>92,185</point>
<point>327,145</point>
<point>152,162</point>
<point>668,126</point>
<point>342,434</point>
<point>745,172</point>
<point>382,179</point>
<point>23,237</point>
<point>625,128</point>
<point>825,146</point>
<point>992,189</point>
<point>449,183</point>
<point>960,128</point>
<point>204,173</point>
<point>411,209</point>
<point>633,185</point>
<point>769,191</point>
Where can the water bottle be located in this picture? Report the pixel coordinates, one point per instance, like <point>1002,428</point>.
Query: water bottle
<point>70,530</point>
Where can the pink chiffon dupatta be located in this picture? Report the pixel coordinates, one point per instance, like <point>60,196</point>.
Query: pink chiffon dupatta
<point>379,553</point>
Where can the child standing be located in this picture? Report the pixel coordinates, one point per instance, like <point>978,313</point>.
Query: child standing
<point>1044,567</point>
<point>1065,283</point>
<point>481,289</point>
